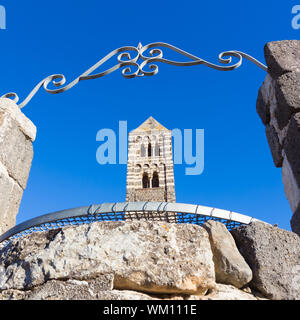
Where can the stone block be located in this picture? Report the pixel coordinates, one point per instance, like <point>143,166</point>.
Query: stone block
<point>282,57</point>
<point>10,198</point>
<point>273,255</point>
<point>291,189</point>
<point>275,146</point>
<point>263,108</point>
<point>16,149</point>
<point>295,222</point>
<point>147,257</point>
<point>287,96</point>
<point>292,146</point>
<point>230,267</point>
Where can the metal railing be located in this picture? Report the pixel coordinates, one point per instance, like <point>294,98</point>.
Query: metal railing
<point>127,211</point>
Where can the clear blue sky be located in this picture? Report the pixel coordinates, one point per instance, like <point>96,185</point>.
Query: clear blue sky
<point>47,37</point>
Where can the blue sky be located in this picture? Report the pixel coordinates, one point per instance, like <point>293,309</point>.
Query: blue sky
<point>68,37</point>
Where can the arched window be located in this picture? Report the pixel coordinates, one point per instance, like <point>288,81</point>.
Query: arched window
<point>143,150</point>
<point>146,182</point>
<point>157,150</point>
<point>155,180</point>
<point>149,150</point>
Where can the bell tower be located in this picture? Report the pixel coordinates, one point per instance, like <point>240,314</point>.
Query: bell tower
<point>150,173</point>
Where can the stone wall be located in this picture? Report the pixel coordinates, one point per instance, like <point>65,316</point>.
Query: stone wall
<point>278,105</point>
<point>152,260</point>
<point>16,152</point>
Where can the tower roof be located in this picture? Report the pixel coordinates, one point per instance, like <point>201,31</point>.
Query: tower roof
<point>149,125</point>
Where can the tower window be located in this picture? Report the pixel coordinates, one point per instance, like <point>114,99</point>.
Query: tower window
<point>155,180</point>
<point>149,150</point>
<point>146,182</point>
<point>157,150</point>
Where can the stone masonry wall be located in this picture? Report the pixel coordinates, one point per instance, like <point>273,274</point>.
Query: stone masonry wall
<point>17,133</point>
<point>278,105</point>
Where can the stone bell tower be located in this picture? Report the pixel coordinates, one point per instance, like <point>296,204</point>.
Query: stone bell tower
<point>150,174</point>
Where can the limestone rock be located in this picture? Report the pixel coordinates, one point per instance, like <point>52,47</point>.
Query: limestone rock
<point>295,222</point>
<point>225,292</point>
<point>81,290</point>
<point>292,146</point>
<point>142,256</point>
<point>10,198</point>
<point>273,255</point>
<point>287,96</point>
<point>275,146</point>
<point>16,150</point>
<point>230,266</point>
<point>263,107</point>
<point>282,57</point>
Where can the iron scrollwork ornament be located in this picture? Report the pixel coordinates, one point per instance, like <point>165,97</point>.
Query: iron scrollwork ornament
<point>134,62</point>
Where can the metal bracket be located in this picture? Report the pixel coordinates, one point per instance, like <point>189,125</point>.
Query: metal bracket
<point>127,62</point>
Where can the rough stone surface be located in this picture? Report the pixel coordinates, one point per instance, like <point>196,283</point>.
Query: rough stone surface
<point>287,96</point>
<point>10,198</point>
<point>282,57</point>
<point>230,266</point>
<point>16,150</point>
<point>274,257</point>
<point>263,107</point>
<point>295,222</point>
<point>142,256</point>
<point>225,292</point>
<point>24,124</point>
<point>292,146</point>
<point>16,136</point>
<point>81,290</point>
<point>275,146</point>
<point>291,189</point>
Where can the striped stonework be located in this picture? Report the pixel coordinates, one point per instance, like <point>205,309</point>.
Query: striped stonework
<point>150,174</point>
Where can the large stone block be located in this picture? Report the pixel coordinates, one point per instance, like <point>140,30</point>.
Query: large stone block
<point>275,146</point>
<point>16,149</point>
<point>273,255</point>
<point>230,266</point>
<point>287,96</point>
<point>10,198</point>
<point>282,57</point>
<point>291,189</point>
<point>141,256</point>
<point>292,146</point>
<point>295,222</point>
<point>263,107</point>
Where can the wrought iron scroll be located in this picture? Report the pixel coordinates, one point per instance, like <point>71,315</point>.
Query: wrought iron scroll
<point>129,59</point>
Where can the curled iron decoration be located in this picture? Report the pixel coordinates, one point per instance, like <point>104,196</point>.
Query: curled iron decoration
<point>133,68</point>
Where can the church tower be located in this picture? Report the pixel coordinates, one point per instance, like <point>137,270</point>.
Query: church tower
<point>150,173</point>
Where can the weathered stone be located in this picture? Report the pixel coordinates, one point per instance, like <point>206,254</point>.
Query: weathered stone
<point>292,146</point>
<point>273,255</point>
<point>147,257</point>
<point>263,107</point>
<point>16,149</point>
<point>295,221</point>
<point>291,189</point>
<point>230,266</point>
<point>287,96</point>
<point>275,146</point>
<point>282,57</point>
<point>225,292</point>
<point>10,198</point>
<point>23,123</point>
<point>13,295</point>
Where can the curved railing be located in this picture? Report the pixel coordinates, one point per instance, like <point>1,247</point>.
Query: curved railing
<point>127,211</point>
